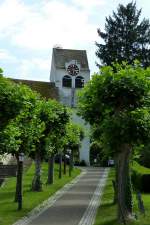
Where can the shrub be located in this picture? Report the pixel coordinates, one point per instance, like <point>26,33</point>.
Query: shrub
<point>140,177</point>
<point>83,163</point>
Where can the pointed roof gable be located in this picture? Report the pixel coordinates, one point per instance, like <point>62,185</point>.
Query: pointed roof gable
<point>62,56</point>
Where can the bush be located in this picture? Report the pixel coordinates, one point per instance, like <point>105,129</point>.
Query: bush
<point>96,152</point>
<point>145,181</point>
<point>136,180</point>
<point>144,159</point>
<point>83,163</point>
<point>140,178</point>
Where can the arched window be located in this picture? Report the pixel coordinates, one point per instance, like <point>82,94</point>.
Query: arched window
<point>67,81</point>
<point>79,82</point>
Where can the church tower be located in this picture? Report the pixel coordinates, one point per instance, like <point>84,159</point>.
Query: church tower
<point>70,72</point>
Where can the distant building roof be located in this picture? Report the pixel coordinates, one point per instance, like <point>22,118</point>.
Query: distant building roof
<point>62,56</point>
<point>46,89</point>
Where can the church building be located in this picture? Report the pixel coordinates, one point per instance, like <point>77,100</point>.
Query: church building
<point>68,74</point>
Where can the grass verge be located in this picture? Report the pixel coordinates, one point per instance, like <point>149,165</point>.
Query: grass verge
<point>141,169</point>
<point>8,208</point>
<point>107,212</point>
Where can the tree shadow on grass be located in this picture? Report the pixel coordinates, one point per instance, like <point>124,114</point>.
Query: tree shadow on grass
<point>111,222</point>
<point>108,204</point>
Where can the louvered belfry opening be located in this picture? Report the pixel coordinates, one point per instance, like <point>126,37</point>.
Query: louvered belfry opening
<point>79,82</point>
<point>67,81</point>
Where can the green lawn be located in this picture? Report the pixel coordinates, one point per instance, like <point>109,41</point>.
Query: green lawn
<point>141,169</point>
<point>106,214</point>
<point>8,209</point>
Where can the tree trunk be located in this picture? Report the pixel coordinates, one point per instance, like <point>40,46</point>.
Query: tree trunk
<point>60,166</point>
<point>36,183</point>
<point>71,163</point>
<point>124,195</point>
<point>50,179</point>
<point>17,179</point>
<point>115,191</point>
<point>20,173</point>
<point>114,182</point>
<point>18,194</point>
<point>65,162</point>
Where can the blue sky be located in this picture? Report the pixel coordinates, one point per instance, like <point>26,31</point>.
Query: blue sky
<point>29,29</point>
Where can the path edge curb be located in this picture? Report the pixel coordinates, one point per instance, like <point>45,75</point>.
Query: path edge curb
<point>90,213</point>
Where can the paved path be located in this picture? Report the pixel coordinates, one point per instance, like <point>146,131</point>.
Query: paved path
<point>74,205</point>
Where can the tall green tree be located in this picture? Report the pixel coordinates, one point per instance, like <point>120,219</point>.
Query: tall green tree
<point>22,132</point>
<point>72,141</point>
<point>118,104</point>
<point>14,98</point>
<point>125,38</point>
<point>1,72</point>
<point>54,116</point>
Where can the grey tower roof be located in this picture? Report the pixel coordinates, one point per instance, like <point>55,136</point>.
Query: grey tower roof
<point>61,56</point>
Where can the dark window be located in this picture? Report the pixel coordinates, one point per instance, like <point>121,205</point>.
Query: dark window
<point>67,81</point>
<point>79,82</point>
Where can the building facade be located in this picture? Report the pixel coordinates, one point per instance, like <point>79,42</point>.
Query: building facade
<point>70,72</point>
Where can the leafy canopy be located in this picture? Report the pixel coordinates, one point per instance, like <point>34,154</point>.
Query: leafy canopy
<point>29,123</point>
<point>14,99</point>
<point>117,104</point>
<point>125,38</point>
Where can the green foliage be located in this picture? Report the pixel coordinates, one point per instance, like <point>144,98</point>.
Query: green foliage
<point>55,117</point>
<point>140,177</point>
<point>97,152</point>
<point>126,38</point>
<point>29,123</point>
<point>1,72</point>
<point>74,135</point>
<point>117,104</point>
<point>144,155</point>
<point>14,99</point>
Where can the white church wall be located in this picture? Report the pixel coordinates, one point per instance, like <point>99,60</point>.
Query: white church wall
<point>85,144</point>
<point>53,70</point>
<point>65,93</point>
<point>68,96</point>
<point>65,96</point>
<point>85,75</point>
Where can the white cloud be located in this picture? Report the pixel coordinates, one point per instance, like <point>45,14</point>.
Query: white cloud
<point>39,26</point>
<point>89,3</point>
<point>5,55</point>
<point>34,69</point>
<point>12,13</point>
<point>42,64</point>
<point>53,22</point>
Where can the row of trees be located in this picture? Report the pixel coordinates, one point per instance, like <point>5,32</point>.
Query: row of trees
<point>34,127</point>
<point>116,101</point>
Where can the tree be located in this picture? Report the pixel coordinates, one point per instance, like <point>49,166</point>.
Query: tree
<point>54,116</point>
<point>143,155</point>
<point>13,99</point>
<point>118,103</point>
<point>72,140</point>
<point>22,129</point>
<point>125,37</point>
<point>1,72</point>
